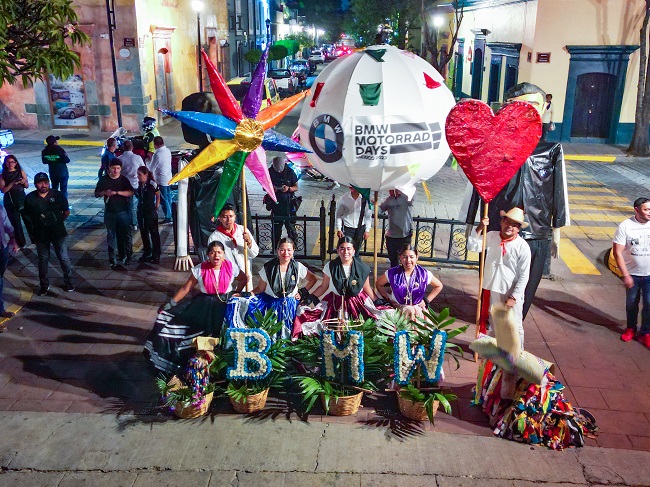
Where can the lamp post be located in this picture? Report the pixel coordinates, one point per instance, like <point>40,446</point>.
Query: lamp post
<point>197,6</point>
<point>268,30</point>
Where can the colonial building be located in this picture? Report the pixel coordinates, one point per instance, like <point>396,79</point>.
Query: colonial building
<point>584,53</point>
<point>155,54</point>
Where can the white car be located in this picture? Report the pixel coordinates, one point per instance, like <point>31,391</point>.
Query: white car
<point>317,57</point>
<point>285,80</point>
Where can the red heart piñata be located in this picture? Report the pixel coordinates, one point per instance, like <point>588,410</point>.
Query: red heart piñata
<point>491,148</point>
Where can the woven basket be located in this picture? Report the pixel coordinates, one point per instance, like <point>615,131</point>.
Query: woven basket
<point>253,403</point>
<point>187,411</point>
<point>344,405</point>
<point>415,410</point>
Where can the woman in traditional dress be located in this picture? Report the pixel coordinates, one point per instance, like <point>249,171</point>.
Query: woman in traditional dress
<point>278,286</point>
<point>169,345</point>
<point>408,284</point>
<point>344,293</point>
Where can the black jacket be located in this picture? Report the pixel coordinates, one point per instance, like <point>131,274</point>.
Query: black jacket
<point>539,187</point>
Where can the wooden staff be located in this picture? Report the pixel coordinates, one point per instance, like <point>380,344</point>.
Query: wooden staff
<point>244,203</point>
<point>480,277</point>
<point>374,236</point>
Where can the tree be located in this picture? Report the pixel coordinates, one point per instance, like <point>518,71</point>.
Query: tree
<point>395,15</point>
<point>291,45</point>
<point>37,38</point>
<point>433,51</point>
<point>325,14</point>
<point>639,145</point>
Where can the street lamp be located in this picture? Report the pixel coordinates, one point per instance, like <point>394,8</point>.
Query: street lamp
<point>197,6</point>
<point>268,30</point>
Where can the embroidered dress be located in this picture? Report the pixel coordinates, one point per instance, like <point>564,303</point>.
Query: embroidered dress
<point>409,292</point>
<point>169,345</point>
<point>345,293</point>
<point>280,293</point>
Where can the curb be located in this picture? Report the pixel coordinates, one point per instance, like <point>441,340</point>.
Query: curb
<point>68,142</point>
<point>25,295</point>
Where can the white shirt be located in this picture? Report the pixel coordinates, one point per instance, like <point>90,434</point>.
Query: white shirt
<point>130,164</point>
<point>635,237</point>
<point>196,272</point>
<point>161,166</point>
<point>547,114</point>
<point>506,274</point>
<point>235,252</point>
<point>348,210</point>
<point>302,273</point>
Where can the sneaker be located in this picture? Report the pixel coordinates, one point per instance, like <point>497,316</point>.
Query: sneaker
<point>145,258</point>
<point>645,340</point>
<point>43,290</point>
<point>628,335</point>
<point>7,314</point>
<point>68,288</point>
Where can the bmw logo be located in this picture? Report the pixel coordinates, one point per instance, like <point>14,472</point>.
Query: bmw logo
<point>326,138</point>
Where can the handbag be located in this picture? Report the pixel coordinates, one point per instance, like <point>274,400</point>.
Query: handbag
<point>268,202</point>
<point>296,201</point>
<point>551,127</point>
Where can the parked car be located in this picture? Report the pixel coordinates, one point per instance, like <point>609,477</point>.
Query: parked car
<point>239,87</point>
<point>285,79</point>
<point>71,111</point>
<point>317,57</point>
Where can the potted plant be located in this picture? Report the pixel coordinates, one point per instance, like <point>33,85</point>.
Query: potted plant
<point>249,395</point>
<point>341,392</point>
<point>423,341</point>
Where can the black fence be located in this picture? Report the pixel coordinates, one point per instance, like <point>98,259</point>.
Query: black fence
<point>437,240</point>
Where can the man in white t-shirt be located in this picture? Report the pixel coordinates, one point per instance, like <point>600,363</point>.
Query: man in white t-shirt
<point>161,167</point>
<point>130,164</point>
<point>631,248</point>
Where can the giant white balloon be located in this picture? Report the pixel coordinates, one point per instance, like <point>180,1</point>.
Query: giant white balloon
<point>393,144</point>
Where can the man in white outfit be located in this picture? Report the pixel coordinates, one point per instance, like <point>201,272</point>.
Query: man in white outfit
<point>234,237</point>
<point>130,164</point>
<point>507,265</point>
<point>161,167</point>
<point>348,218</point>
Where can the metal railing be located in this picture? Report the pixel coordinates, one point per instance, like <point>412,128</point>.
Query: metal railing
<point>438,240</point>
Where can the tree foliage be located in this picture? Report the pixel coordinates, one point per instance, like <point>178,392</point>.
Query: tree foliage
<point>324,14</point>
<point>37,38</point>
<point>639,145</point>
<point>291,45</point>
<point>365,16</point>
<point>437,53</point>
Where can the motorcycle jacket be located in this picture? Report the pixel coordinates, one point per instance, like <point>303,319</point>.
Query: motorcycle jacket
<point>539,187</point>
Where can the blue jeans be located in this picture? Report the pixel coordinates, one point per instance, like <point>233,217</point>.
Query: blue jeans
<point>60,182</point>
<point>118,235</point>
<point>166,201</point>
<point>61,251</point>
<point>4,257</point>
<point>639,292</point>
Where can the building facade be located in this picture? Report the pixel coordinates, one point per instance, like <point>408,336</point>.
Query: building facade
<point>155,43</point>
<point>584,53</point>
